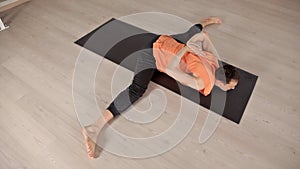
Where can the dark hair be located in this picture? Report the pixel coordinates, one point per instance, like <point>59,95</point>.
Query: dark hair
<point>230,72</point>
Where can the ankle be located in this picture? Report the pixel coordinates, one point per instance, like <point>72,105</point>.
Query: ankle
<point>107,115</point>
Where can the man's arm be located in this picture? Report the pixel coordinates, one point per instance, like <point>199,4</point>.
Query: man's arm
<point>207,45</point>
<point>201,42</point>
<point>184,78</point>
<point>195,44</point>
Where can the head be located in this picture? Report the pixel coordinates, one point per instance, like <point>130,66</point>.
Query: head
<point>227,77</point>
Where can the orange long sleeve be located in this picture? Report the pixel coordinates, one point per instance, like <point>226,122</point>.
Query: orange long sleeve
<point>165,48</point>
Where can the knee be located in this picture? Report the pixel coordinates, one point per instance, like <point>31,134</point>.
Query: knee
<point>136,90</point>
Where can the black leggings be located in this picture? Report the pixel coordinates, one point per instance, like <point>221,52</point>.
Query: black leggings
<point>144,70</point>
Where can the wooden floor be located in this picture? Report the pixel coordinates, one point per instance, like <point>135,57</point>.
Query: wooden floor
<point>38,124</point>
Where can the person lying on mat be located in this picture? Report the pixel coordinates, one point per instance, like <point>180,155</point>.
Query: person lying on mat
<point>193,65</point>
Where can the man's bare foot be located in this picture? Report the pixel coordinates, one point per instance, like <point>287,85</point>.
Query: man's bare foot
<point>91,132</point>
<point>90,137</point>
<point>211,20</point>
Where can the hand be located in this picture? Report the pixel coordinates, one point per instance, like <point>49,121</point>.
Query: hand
<point>221,85</point>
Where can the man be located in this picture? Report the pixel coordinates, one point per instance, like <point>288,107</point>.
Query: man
<point>190,65</point>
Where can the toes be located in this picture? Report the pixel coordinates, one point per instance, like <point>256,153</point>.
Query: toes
<point>90,146</point>
<point>90,152</point>
<point>216,20</point>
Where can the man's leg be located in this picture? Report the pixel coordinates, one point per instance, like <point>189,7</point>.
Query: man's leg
<point>144,70</point>
<point>197,28</point>
<point>184,37</point>
<point>143,73</point>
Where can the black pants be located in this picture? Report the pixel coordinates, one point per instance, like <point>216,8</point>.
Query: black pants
<point>144,70</point>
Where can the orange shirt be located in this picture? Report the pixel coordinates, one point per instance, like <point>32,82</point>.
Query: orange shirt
<point>165,48</point>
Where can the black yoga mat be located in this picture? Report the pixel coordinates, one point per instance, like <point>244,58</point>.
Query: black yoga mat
<point>115,40</point>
